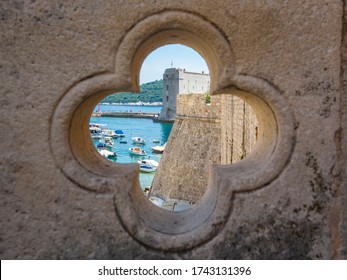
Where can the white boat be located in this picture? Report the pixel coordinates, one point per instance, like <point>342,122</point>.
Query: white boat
<point>106,141</point>
<point>148,165</point>
<point>107,154</point>
<point>158,149</point>
<point>138,140</point>
<point>109,133</point>
<point>95,132</point>
<point>119,133</point>
<point>137,151</point>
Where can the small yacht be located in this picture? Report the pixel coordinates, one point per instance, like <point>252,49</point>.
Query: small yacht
<point>138,140</point>
<point>148,165</point>
<point>158,149</point>
<point>137,151</point>
<point>119,133</point>
<point>108,133</point>
<point>107,154</point>
<point>95,132</point>
<point>106,141</point>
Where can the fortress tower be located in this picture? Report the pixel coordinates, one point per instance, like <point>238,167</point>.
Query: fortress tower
<point>175,81</point>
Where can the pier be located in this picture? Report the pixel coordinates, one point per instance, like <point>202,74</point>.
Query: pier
<point>125,115</point>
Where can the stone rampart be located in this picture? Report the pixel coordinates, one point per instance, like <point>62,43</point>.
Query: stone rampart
<point>194,145</point>
<point>223,131</point>
<point>239,129</point>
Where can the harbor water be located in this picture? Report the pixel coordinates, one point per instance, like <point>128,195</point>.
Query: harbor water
<point>134,127</point>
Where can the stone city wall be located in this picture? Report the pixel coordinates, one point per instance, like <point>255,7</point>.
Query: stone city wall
<point>194,145</point>
<point>203,134</point>
<point>239,129</point>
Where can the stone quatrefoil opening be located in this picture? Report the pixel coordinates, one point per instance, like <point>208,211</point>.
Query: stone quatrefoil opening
<point>76,157</point>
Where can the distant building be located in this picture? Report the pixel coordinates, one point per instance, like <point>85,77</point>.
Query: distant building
<point>179,81</point>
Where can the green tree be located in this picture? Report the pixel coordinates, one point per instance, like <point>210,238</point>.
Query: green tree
<point>150,92</point>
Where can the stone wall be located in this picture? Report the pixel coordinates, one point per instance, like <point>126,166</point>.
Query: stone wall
<point>203,134</point>
<point>341,141</point>
<point>61,200</point>
<point>193,146</point>
<point>239,129</point>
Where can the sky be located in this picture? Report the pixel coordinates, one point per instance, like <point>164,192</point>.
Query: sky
<point>180,56</point>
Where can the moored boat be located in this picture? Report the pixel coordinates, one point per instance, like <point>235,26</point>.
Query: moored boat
<point>108,133</point>
<point>106,141</point>
<point>107,154</point>
<point>137,151</point>
<point>158,149</point>
<point>119,133</point>
<point>148,165</point>
<point>95,132</point>
<point>138,140</point>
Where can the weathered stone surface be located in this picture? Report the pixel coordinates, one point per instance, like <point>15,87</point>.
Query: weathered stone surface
<point>221,132</point>
<point>66,202</point>
<point>193,147</point>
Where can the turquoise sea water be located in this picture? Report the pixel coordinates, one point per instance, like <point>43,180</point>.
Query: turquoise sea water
<point>132,127</point>
<point>128,108</point>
